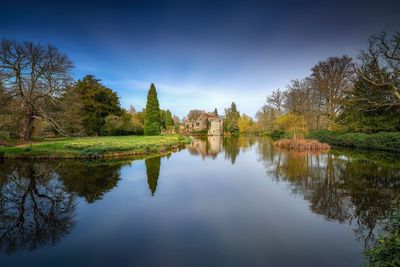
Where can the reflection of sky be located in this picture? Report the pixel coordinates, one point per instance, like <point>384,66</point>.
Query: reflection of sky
<point>209,212</point>
<point>199,55</point>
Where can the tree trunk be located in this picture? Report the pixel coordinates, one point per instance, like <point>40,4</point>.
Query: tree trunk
<point>28,127</point>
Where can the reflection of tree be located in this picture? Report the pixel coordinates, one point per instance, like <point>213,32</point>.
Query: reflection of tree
<point>153,172</point>
<point>344,189</point>
<point>232,148</point>
<point>35,208</point>
<point>90,180</point>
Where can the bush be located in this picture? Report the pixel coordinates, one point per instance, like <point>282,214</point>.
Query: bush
<point>388,141</point>
<point>301,144</point>
<point>276,135</point>
<point>324,136</point>
<point>387,250</point>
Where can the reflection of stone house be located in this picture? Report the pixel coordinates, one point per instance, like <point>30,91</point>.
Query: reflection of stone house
<point>205,121</point>
<point>210,147</point>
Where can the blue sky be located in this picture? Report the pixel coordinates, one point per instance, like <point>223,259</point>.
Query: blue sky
<point>199,54</point>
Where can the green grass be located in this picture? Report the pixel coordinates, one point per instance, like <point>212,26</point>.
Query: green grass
<point>88,147</point>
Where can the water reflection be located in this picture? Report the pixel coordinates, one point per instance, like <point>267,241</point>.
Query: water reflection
<point>343,186</point>
<point>90,179</point>
<point>38,200</point>
<point>211,146</point>
<point>153,172</point>
<point>35,207</point>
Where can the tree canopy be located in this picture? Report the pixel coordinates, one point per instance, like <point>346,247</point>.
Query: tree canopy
<point>33,74</point>
<point>98,102</point>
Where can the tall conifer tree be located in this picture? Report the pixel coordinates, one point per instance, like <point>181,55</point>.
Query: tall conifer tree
<point>152,122</point>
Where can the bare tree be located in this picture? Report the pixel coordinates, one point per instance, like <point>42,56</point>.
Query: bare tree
<point>276,100</point>
<point>380,66</point>
<point>303,98</point>
<point>194,114</point>
<point>333,79</point>
<point>33,74</point>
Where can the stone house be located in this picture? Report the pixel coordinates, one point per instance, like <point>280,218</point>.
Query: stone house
<point>205,121</point>
<point>216,126</point>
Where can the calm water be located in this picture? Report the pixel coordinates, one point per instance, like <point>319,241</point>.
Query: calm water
<point>232,202</point>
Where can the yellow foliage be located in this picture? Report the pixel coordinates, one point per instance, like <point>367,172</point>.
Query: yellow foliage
<point>244,123</point>
<point>292,123</point>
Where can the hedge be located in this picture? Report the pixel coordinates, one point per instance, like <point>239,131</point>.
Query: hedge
<point>387,141</point>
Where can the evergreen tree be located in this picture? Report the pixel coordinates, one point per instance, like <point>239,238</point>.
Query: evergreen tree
<point>168,119</point>
<point>232,117</point>
<point>216,112</point>
<point>162,117</point>
<point>152,122</point>
<point>97,102</point>
<point>361,111</point>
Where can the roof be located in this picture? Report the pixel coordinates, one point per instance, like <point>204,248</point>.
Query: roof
<point>207,115</point>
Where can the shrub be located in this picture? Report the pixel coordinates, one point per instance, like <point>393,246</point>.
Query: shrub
<point>276,135</point>
<point>301,144</point>
<point>387,250</point>
<point>324,136</point>
<point>380,141</point>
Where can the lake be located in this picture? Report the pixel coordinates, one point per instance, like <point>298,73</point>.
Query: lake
<point>218,202</point>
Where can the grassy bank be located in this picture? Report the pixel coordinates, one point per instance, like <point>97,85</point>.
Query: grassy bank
<point>384,141</point>
<point>94,147</point>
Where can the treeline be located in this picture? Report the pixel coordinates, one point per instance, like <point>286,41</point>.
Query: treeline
<point>341,94</point>
<point>38,97</point>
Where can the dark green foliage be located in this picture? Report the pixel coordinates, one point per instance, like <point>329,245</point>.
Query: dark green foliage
<point>97,102</point>
<point>232,148</point>
<point>370,122</point>
<point>162,117</point>
<point>153,172</point>
<point>364,109</point>
<point>387,250</point>
<point>231,120</point>
<point>276,135</point>
<point>215,112</point>
<point>325,136</point>
<point>168,119</point>
<point>152,122</point>
<point>380,141</point>
<point>98,178</point>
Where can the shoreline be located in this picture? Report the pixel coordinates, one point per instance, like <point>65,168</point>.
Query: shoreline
<point>96,148</point>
